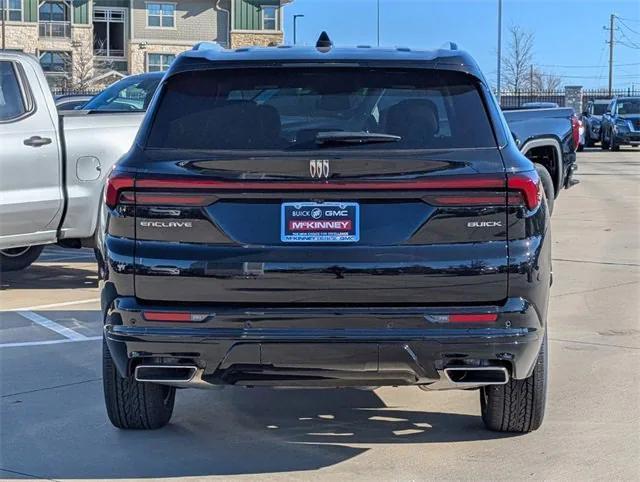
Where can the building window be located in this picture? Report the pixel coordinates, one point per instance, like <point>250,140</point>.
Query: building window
<point>109,32</point>
<point>159,62</point>
<point>54,62</point>
<point>51,11</point>
<point>12,10</point>
<point>269,18</point>
<point>161,15</point>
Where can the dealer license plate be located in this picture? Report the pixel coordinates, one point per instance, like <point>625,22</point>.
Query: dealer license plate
<point>330,222</point>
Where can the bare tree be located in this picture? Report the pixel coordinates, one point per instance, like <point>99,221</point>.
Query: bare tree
<point>517,61</point>
<point>544,81</point>
<point>83,66</point>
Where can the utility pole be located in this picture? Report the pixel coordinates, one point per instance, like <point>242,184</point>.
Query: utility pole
<point>531,77</point>
<point>295,30</point>
<point>3,21</point>
<point>378,29</point>
<point>611,26</point>
<point>499,47</point>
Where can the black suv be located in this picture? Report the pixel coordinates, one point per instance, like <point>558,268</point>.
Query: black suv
<point>620,124</point>
<point>325,217</point>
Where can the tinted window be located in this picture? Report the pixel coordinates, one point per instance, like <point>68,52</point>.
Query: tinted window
<point>628,106</point>
<point>599,109</point>
<point>287,108</point>
<point>12,103</point>
<point>129,95</point>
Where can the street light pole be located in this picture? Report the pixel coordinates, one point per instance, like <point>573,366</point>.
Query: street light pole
<point>295,30</point>
<point>499,48</point>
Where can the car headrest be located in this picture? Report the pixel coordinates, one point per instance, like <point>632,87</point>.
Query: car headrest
<point>415,120</point>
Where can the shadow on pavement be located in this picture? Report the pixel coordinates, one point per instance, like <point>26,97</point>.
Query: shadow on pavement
<point>50,277</point>
<point>228,432</point>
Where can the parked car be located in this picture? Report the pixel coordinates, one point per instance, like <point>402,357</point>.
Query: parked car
<point>54,163</point>
<point>130,94</point>
<point>549,138</point>
<point>621,123</point>
<point>71,101</point>
<point>591,119</point>
<point>325,217</point>
<point>539,105</point>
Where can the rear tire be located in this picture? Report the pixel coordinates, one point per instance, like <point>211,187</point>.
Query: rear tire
<point>15,259</point>
<point>613,146</point>
<point>547,185</point>
<point>132,404</point>
<point>519,405</point>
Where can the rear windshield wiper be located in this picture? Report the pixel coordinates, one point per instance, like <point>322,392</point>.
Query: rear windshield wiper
<point>342,137</point>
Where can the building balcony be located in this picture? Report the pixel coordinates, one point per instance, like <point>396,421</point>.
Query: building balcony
<point>54,29</point>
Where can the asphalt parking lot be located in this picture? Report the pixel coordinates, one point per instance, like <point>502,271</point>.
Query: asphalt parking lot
<point>54,425</point>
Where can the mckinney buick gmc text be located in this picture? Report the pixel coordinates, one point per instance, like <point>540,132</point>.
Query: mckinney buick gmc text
<point>325,217</point>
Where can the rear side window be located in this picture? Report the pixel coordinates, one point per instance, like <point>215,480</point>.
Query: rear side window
<point>286,109</point>
<point>12,104</point>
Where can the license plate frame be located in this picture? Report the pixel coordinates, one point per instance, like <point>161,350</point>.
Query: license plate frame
<point>320,228</point>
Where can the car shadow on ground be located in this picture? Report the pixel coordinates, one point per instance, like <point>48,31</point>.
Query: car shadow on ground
<point>47,276</point>
<point>231,432</point>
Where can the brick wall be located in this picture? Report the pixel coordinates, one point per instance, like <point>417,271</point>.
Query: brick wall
<point>246,39</point>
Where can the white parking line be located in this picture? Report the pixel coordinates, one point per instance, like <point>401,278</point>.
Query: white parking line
<point>48,342</point>
<point>52,325</point>
<point>52,305</point>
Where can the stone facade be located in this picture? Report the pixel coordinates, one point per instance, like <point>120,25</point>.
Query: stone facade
<point>22,36</point>
<point>245,38</point>
<point>573,98</point>
<point>138,53</point>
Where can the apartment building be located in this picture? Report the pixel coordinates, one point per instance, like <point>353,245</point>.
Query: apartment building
<point>91,42</point>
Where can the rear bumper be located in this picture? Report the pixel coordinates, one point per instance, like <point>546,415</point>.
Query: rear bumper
<point>325,346</point>
<point>627,137</point>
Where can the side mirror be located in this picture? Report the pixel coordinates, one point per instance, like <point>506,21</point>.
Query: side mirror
<point>516,139</point>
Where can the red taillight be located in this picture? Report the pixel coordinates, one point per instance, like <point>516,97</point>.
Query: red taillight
<point>116,183</point>
<point>442,182</point>
<point>575,131</point>
<point>176,316</point>
<point>528,185</point>
<point>473,318</point>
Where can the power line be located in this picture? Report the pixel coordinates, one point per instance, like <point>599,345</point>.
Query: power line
<point>586,66</point>
<point>627,27</point>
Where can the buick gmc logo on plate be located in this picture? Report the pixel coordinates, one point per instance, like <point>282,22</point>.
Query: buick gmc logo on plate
<point>309,222</point>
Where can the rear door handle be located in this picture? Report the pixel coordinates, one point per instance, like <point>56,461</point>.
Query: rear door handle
<point>37,141</point>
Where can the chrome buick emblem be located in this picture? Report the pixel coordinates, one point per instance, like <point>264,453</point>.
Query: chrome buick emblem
<point>319,168</point>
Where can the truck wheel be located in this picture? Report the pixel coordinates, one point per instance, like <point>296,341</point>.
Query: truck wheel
<point>132,404</point>
<point>15,259</point>
<point>517,406</point>
<point>547,185</point>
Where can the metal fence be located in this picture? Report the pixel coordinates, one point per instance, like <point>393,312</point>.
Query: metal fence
<point>62,91</point>
<point>593,94</point>
<point>515,100</point>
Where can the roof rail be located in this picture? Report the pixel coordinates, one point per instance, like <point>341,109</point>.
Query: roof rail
<point>450,46</point>
<point>208,45</point>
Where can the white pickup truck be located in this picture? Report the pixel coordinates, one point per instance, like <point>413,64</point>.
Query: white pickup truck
<point>53,165</point>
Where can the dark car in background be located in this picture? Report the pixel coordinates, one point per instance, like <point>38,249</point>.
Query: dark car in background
<point>130,94</point>
<point>71,101</point>
<point>549,137</point>
<point>325,217</point>
<point>591,119</point>
<point>621,123</point>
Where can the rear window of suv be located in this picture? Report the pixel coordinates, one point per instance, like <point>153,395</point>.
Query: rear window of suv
<point>287,108</point>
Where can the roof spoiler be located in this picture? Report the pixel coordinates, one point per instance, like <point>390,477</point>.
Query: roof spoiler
<point>450,46</point>
<point>208,45</point>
